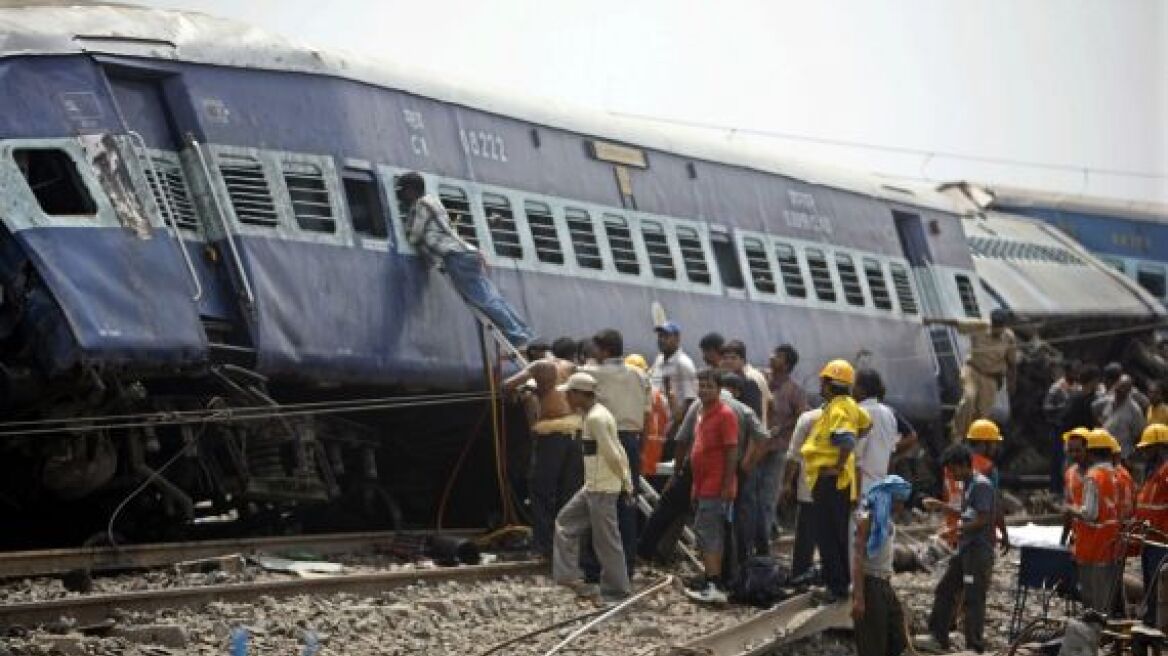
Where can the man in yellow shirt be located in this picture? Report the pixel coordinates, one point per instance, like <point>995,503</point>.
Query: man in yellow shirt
<point>830,467</point>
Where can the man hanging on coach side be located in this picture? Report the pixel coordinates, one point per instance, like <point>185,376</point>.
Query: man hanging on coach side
<point>428,229</point>
<point>993,360</point>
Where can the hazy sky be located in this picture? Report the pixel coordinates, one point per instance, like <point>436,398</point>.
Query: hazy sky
<point>1081,85</point>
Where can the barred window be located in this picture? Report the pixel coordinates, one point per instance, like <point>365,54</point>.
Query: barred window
<point>248,189</point>
<point>457,206</point>
<point>760,265</point>
<point>697,269</point>
<point>789,267</point>
<point>620,242</point>
<point>845,266</point>
<point>877,284</point>
<point>820,275</point>
<point>904,288</point>
<point>170,193</point>
<point>310,197</point>
<point>657,245</point>
<point>583,234</point>
<point>501,223</point>
<point>968,296</point>
<point>544,234</point>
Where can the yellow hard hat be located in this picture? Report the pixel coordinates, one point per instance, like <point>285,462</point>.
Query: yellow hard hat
<point>983,430</point>
<point>637,360</point>
<point>1081,432</point>
<point>1099,439</point>
<point>839,371</point>
<point>1153,434</point>
<point>1116,447</point>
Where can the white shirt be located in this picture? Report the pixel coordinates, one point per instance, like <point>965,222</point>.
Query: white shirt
<point>874,450</point>
<point>682,375</point>
<point>798,436</point>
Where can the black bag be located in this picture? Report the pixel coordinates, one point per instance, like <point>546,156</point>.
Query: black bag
<point>760,582</point>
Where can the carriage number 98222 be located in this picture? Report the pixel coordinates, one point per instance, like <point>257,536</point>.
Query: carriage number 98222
<point>487,145</point>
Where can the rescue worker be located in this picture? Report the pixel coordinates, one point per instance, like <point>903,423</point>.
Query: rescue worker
<point>1075,441</point>
<point>1127,482</point>
<point>983,440</point>
<point>1152,511</point>
<point>830,467</point>
<point>1096,526</point>
<point>993,359</point>
<point>656,423</point>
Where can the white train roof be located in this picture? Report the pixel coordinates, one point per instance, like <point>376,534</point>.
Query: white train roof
<point>53,27</point>
<point>997,195</point>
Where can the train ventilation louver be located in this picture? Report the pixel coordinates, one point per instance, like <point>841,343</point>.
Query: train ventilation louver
<point>904,290</point>
<point>1012,249</point>
<point>697,269</point>
<point>656,244</point>
<point>458,210</point>
<point>309,194</point>
<point>850,279</point>
<point>249,191</point>
<point>968,296</point>
<point>820,275</point>
<point>583,235</point>
<point>543,233</point>
<point>501,222</point>
<point>789,268</point>
<point>169,191</point>
<point>877,284</point>
<point>620,242</point>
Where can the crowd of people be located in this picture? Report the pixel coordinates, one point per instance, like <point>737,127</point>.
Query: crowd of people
<point>744,440</point>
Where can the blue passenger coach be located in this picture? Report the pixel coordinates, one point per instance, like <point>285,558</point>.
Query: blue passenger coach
<point>197,213</point>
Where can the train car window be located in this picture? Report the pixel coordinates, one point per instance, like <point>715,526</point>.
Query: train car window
<point>968,296</point>
<point>364,202</point>
<point>620,242</point>
<point>310,197</point>
<point>792,275</point>
<point>693,256</point>
<point>820,275</point>
<point>760,265</point>
<point>501,223</point>
<point>53,178</point>
<point>583,236</point>
<point>727,258</point>
<point>1152,278</point>
<point>457,206</point>
<point>1114,263</point>
<point>845,266</point>
<point>544,234</point>
<point>904,290</point>
<point>248,189</point>
<point>877,284</point>
<point>660,257</point>
<point>168,188</point>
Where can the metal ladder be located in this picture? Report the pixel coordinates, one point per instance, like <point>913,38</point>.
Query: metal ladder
<point>489,327</point>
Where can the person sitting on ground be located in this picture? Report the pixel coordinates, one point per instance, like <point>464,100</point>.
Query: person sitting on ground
<point>714,460</point>
<point>594,507</point>
<point>876,612</point>
<point>428,230</point>
<point>969,570</point>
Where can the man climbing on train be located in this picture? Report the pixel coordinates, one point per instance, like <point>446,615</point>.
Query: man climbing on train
<point>428,229</point>
<point>993,360</point>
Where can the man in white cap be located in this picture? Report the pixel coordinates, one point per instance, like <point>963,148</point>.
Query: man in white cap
<point>594,506</point>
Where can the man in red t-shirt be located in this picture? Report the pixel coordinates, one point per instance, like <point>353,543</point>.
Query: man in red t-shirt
<point>714,462</point>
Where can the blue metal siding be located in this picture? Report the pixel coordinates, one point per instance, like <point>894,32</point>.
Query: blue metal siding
<point>1106,234</point>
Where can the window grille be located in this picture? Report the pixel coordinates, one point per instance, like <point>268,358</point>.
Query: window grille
<point>583,235</point>
<point>170,185</point>
<point>904,289</point>
<point>656,244</point>
<point>544,234</point>
<point>620,242</point>
<point>457,205</point>
<point>968,296</point>
<point>248,189</point>
<point>792,274</point>
<point>877,284</point>
<point>310,197</point>
<point>697,269</point>
<point>501,222</point>
<point>846,267</point>
<point>820,275</point>
<point>760,265</point>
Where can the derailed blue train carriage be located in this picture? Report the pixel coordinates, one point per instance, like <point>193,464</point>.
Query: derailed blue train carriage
<point>198,215</point>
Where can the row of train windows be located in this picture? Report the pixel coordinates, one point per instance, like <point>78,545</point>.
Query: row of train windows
<point>1008,249</point>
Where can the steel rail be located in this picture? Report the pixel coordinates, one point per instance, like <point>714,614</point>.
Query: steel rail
<point>48,562</point>
<point>94,609</point>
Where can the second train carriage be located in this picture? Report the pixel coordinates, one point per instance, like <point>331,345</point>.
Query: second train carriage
<point>192,206</point>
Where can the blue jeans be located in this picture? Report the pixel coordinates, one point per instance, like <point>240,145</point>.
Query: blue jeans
<point>767,477</point>
<point>466,271</point>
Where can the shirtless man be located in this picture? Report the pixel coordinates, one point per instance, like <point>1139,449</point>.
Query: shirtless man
<point>556,467</point>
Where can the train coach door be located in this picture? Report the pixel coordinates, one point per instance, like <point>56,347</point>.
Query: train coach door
<point>911,231</point>
<point>146,101</point>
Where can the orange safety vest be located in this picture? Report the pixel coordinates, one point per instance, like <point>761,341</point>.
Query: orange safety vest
<point>1073,484</point>
<point>654,434</point>
<point>1097,542</point>
<point>1127,493</point>
<point>954,491</point>
<point>1152,502</point>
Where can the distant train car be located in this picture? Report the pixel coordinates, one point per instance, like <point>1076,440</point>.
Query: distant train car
<point>199,216</point>
<point>1131,237</point>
